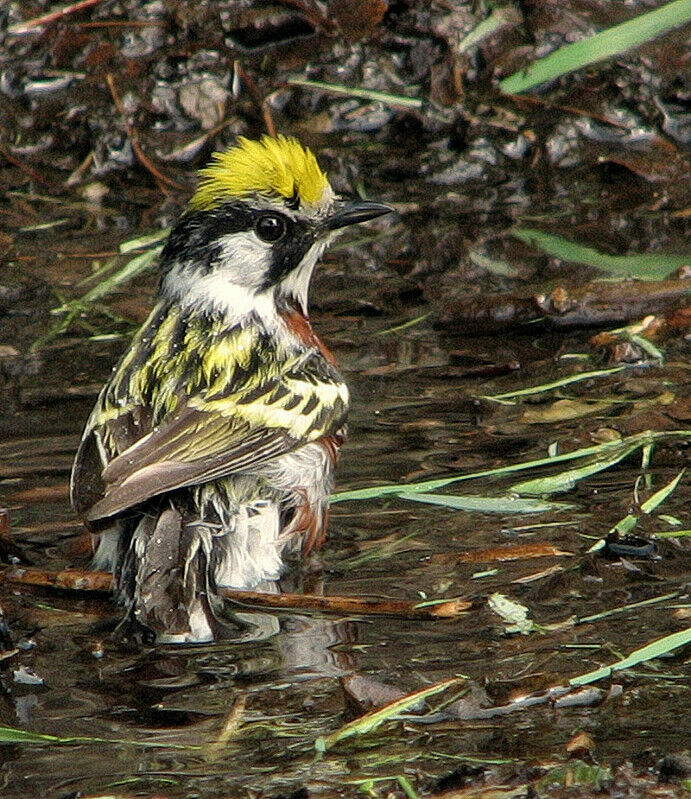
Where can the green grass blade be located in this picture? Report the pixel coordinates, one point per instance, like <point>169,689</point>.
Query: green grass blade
<point>605,614</point>
<point>129,271</point>
<point>494,265</point>
<point>660,496</point>
<point>370,721</point>
<point>110,264</point>
<point>501,16</point>
<point>647,266</point>
<point>565,481</point>
<point>482,504</point>
<point>12,735</point>
<point>613,41</point>
<point>404,325</point>
<point>406,787</point>
<point>626,525</point>
<point>562,381</point>
<point>360,94</point>
<point>144,242</point>
<point>622,527</point>
<point>597,450</point>
<point>648,347</point>
<point>653,650</point>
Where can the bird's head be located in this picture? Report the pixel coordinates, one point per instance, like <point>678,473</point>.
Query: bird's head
<point>261,217</point>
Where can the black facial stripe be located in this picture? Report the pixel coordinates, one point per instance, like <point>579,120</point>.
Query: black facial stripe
<point>195,239</point>
<point>289,251</point>
<point>195,236</point>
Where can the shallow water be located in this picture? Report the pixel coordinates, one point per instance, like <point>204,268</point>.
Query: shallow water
<point>419,411</point>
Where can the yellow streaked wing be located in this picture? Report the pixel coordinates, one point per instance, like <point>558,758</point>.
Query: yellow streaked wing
<point>216,436</point>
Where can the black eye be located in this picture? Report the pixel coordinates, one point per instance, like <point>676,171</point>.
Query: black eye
<point>270,227</point>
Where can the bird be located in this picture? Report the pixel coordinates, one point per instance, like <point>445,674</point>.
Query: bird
<point>209,455</point>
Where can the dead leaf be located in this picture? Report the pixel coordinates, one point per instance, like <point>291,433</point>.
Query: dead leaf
<point>511,552</point>
<point>531,578</point>
<point>561,411</point>
<point>680,319</point>
<point>680,409</point>
<point>363,693</point>
<point>487,792</point>
<point>580,744</point>
<point>513,613</point>
<point>603,434</point>
<point>659,162</point>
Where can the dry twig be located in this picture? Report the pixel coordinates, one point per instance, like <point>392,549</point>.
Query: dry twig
<point>133,136</point>
<point>51,16</point>
<point>253,89</point>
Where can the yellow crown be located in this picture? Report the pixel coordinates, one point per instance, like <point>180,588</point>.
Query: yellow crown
<point>274,167</point>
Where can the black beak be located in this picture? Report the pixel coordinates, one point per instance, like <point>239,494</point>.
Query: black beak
<point>352,213</point>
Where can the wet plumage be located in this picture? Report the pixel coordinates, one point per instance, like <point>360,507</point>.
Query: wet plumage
<point>211,450</point>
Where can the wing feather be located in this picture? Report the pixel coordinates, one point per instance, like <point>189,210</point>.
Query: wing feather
<point>211,437</point>
<point>143,481</point>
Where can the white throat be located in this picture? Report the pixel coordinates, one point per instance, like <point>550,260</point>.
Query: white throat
<point>215,292</point>
<point>296,285</point>
<point>234,287</point>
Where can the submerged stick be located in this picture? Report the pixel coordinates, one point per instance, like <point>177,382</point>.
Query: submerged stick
<point>67,579</point>
<point>82,580</point>
<point>349,605</point>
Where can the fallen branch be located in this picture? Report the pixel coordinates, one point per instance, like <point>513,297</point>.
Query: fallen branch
<point>81,580</point>
<point>32,173</point>
<point>596,303</point>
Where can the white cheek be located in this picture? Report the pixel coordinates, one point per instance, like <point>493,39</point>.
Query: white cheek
<point>233,286</point>
<point>244,259</point>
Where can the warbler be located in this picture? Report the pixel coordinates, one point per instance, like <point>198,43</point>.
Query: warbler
<point>210,452</point>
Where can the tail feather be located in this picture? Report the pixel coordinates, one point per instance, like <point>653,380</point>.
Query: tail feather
<point>168,565</point>
<point>170,585</point>
<point>171,555</point>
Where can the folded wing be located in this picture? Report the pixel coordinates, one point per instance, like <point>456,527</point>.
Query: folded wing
<point>210,437</point>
